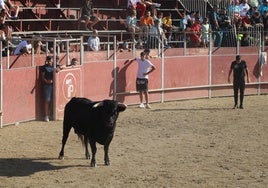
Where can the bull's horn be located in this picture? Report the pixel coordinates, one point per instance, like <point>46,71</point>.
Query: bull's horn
<point>122,105</point>
<point>97,104</point>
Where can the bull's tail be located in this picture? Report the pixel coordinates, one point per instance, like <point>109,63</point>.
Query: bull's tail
<point>83,139</point>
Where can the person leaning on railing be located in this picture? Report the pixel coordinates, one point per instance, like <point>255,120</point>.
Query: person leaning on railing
<point>131,25</point>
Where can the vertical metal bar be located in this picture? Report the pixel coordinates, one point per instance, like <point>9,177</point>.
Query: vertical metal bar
<point>163,71</point>
<point>81,50</point>
<point>115,66</point>
<point>1,86</point>
<point>68,52</point>
<point>54,79</point>
<point>108,47</point>
<point>259,65</point>
<point>210,64</point>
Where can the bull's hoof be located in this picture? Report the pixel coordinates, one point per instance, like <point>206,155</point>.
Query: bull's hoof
<point>107,163</point>
<point>93,165</point>
<point>61,157</point>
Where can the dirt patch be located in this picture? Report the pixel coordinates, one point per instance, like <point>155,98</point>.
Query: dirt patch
<point>192,143</point>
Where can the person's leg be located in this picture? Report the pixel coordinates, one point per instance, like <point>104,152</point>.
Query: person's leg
<point>146,97</point>
<point>235,87</point>
<point>141,97</point>
<point>242,91</point>
<point>93,22</point>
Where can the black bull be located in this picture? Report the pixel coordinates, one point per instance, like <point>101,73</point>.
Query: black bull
<point>92,122</point>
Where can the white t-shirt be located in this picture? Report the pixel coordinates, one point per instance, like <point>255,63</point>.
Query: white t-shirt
<point>93,43</point>
<point>22,45</point>
<point>244,8</point>
<point>143,67</point>
<point>2,4</point>
<point>132,3</point>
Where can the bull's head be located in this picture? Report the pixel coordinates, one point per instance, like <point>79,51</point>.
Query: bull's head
<point>120,106</point>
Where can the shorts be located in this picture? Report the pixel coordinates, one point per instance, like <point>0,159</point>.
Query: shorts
<point>142,84</point>
<point>91,17</point>
<point>48,92</point>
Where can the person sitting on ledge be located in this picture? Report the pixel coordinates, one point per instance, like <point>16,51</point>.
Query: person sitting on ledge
<point>87,16</point>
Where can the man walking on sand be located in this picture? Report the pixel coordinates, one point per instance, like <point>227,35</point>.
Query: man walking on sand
<point>240,70</point>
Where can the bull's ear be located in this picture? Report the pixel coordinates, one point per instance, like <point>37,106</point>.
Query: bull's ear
<point>121,107</point>
<point>98,104</point>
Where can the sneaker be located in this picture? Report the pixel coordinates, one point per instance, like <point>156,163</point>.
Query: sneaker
<point>157,5</point>
<point>46,119</point>
<point>148,106</point>
<point>141,105</point>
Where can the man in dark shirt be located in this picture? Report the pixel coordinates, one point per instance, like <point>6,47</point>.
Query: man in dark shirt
<point>239,69</point>
<point>87,15</point>
<point>47,71</point>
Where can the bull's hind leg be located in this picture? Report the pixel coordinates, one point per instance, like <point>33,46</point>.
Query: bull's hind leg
<point>94,151</point>
<point>66,131</point>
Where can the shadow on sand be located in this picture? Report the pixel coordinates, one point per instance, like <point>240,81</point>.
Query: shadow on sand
<point>19,167</point>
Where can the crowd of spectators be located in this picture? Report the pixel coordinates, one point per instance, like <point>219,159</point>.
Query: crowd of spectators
<point>148,25</point>
<point>240,15</point>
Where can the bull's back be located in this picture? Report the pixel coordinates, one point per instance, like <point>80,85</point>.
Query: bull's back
<point>77,109</point>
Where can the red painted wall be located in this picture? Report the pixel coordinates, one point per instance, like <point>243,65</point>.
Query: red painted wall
<point>22,89</point>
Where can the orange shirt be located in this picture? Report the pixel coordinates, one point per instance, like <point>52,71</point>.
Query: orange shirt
<point>147,20</point>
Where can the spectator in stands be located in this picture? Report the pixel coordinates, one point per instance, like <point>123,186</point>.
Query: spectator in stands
<point>256,19</point>
<point>195,33</point>
<point>183,22</point>
<point>131,25</point>
<point>74,62</point>
<point>225,26</point>
<point>190,18</point>
<point>244,8</point>
<point>265,23</point>
<point>93,42</point>
<point>140,6</point>
<point>198,15</point>
<point>146,23</point>
<point>205,28</point>
<point>24,47</point>
<point>38,48</point>
<point>151,6</point>
<point>87,16</point>
<point>159,17</point>
<point>245,40</point>
<point>253,3</point>
<point>9,7</point>
<point>168,26</point>
<point>263,7</point>
<point>2,24</point>
<point>157,35</point>
<point>217,34</point>
<point>234,11</point>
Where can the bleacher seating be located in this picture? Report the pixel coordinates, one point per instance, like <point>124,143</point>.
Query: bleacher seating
<point>45,16</point>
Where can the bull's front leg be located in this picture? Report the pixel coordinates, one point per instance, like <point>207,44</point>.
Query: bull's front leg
<point>106,155</point>
<point>93,150</point>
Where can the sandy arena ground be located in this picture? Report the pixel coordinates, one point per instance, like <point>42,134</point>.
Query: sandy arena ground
<point>187,144</point>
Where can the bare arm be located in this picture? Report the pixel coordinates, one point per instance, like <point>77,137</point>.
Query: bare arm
<point>229,75</point>
<point>150,71</point>
<point>246,71</point>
